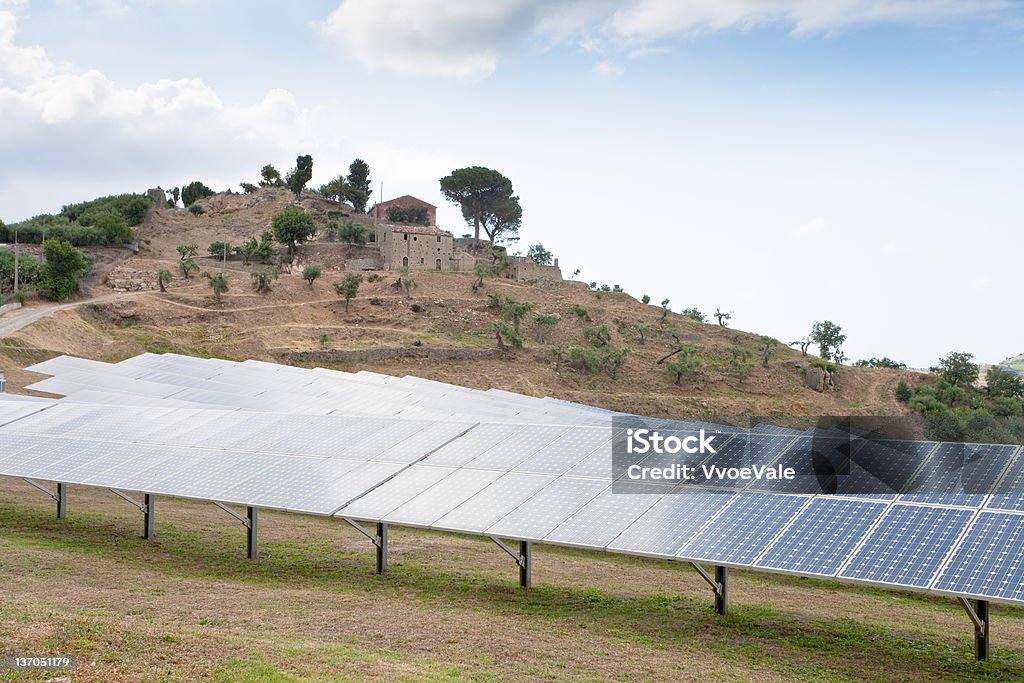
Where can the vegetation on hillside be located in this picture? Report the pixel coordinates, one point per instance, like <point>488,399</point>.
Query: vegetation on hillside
<point>99,222</point>
<point>956,409</point>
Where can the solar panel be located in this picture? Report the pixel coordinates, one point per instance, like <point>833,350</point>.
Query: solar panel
<point>517,448</point>
<point>327,496</point>
<point>908,545</point>
<point>600,521</point>
<point>1009,493</point>
<point>990,561</point>
<point>461,451</point>
<point>442,497</point>
<point>822,536</point>
<point>393,493</point>
<point>538,516</point>
<point>670,523</point>
<point>565,451</point>
<point>487,507</point>
<point>740,532</point>
<point>941,482</point>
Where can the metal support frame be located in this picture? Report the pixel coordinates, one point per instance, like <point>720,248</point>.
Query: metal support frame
<point>60,496</point>
<point>719,584</point>
<point>523,558</point>
<point>250,522</point>
<point>146,508</point>
<point>979,616</point>
<point>379,540</point>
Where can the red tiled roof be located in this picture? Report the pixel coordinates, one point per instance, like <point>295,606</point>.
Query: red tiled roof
<point>405,198</point>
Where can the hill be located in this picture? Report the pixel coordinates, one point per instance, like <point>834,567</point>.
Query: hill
<point>1015,363</point>
<point>443,331</point>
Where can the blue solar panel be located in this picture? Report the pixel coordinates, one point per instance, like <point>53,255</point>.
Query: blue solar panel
<point>742,531</point>
<point>822,536</point>
<point>1010,491</point>
<point>908,546</point>
<point>884,468</point>
<point>990,561</point>
<point>670,523</point>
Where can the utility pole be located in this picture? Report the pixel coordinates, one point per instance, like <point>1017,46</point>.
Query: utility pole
<point>15,261</point>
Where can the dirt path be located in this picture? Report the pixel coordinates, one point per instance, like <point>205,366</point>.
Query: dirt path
<point>9,324</point>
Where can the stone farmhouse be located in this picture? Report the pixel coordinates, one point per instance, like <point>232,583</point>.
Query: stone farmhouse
<point>428,247</point>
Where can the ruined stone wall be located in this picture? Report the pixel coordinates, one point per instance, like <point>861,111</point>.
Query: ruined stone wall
<point>124,279</point>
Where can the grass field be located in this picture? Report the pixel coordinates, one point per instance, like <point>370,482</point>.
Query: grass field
<point>188,606</point>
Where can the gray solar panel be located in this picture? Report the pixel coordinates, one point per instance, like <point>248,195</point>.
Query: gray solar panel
<point>391,494</point>
<point>908,545</point>
<point>1009,492</point>
<point>429,506</point>
<point>822,536</point>
<point>517,448</point>
<point>740,532</point>
<point>601,520</point>
<point>990,561</point>
<point>487,507</point>
<point>670,523</point>
<point>538,516</point>
<point>461,451</point>
<point>566,451</point>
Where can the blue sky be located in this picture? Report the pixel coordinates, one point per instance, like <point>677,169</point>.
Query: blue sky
<point>788,160</point>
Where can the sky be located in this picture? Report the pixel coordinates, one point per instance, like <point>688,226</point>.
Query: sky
<point>789,161</point>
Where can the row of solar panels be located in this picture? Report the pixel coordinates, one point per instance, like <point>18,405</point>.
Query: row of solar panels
<point>544,483</point>
<point>170,379</point>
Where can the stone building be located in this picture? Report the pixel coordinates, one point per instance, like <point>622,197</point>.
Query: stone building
<point>380,211</point>
<point>523,268</point>
<point>419,247</point>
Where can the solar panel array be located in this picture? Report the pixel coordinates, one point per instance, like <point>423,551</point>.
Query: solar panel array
<point>413,452</point>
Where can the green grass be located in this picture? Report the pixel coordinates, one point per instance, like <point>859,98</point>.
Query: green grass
<point>755,637</point>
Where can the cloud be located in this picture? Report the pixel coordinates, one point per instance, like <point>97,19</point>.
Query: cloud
<point>465,40</point>
<point>65,122</point>
<point>608,69</point>
<point>430,37</point>
<point>653,19</point>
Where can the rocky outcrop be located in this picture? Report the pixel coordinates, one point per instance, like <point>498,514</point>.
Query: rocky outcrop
<point>818,378</point>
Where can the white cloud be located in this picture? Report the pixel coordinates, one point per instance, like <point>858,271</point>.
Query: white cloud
<point>60,120</point>
<point>608,69</point>
<point>456,39</point>
<point>653,19</point>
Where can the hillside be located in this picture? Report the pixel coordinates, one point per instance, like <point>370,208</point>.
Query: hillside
<point>1015,363</point>
<point>443,320</point>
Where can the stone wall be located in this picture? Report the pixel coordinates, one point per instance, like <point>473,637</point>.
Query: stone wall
<point>525,269</point>
<point>123,279</point>
<point>389,353</point>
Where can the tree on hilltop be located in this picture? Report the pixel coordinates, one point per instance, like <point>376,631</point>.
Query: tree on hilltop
<point>485,196</point>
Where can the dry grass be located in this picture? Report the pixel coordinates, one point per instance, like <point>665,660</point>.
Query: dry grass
<point>187,606</point>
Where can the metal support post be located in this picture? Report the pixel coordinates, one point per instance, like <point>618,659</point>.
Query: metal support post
<point>62,500</point>
<point>979,616</point>
<point>719,584</point>
<point>381,542</point>
<point>722,593</point>
<point>523,558</point>
<point>251,518</point>
<point>525,564</point>
<point>149,517</point>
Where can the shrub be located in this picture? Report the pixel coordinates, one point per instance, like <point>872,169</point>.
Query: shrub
<point>416,308</point>
<point>310,273</point>
<point>261,279</point>
<point>580,311</point>
<point>599,335</point>
<point>695,314</point>
<point>903,392</point>
<point>407,214</point>
<point>196,210</point>
<point>645,299</point>
<point>194,191</point>
<point>219,249</point>
<point>64,266</point>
